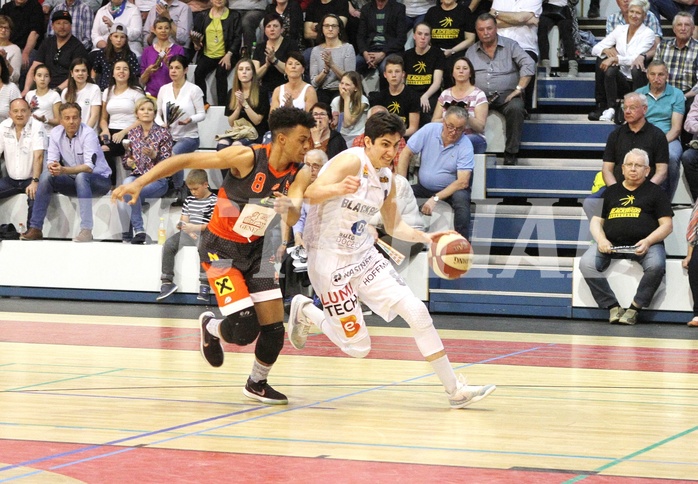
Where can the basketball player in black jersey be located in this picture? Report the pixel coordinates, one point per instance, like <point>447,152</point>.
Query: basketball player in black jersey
<point>259,184</point>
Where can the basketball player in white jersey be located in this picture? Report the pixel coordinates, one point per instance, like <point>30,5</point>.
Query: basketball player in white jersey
<point>344,266</point>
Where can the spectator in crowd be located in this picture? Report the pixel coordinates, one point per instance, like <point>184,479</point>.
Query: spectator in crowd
<point>359,140</point>
<point>690,263</point>
<point>594,9</point>
<point>22,143</point>
<point>8,91</point>
<point>614,20</point>
<point>315,17</point>
<point>350,107</point>
<point>296,92</point>
<point>465,94</point>
<point>452,30</point>
<point>669,8</point>
<point>665,110</point>
<point>415,10</point>
<point>558,13</point>
<point>623,52</point>
<point>519,21</point>
<point>82,20</point>
<point>118,113</point>
<point>424,71</point>
<point>398,98</point>
<point>181,109</point>
<point>635,220</point>
<point>502,72</point>
<point>27,30</point>
<point>50,5</point>
<point>196,214</point>
<point>270,57</point>
<point>44,102</point>
<point>84,92</point>
<point>180,17</point>
<point>118,12</point>
<point>689,159</point>
<point>149,144</point>
<point>217,37</point>
<point>680,55</point>
<point>381,32</point>
<point>330,58</point>
<point>291,21</point>
<point>446,168</point>
<point>325,138</point>
<point>117,48</point>
<point>198,7</point>
<point>251,13</point>
<point>635,133</point>
<point>8,50</point>
<point>57,52</point>
<point>247,102</point>
<point>75,167</point>
<point>156,57</point>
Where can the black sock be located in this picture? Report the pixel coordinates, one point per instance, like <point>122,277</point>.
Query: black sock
<point>632,306</point>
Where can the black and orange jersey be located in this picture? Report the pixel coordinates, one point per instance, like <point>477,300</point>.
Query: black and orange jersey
<point>235,193</point>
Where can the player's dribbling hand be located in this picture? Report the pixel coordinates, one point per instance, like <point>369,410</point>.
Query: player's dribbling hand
<point>282,203</point>
<point>120,192</point>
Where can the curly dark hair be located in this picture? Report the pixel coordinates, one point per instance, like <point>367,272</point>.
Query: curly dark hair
<point>383,123</point>
<point>284,119</point>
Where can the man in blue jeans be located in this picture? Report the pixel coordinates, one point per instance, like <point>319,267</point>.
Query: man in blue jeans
<point>635,220</point>
<point>75,167</point>
<point>446,168</point>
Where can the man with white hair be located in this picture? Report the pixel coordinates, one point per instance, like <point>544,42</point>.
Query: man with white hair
<point>635,220</point>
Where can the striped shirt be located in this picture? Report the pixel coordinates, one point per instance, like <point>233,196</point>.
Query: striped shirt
<point>199,210</point>
<point>682,63</point>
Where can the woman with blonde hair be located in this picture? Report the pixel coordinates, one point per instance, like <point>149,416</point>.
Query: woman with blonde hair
<point>246,102</point>
<point>349,109</point>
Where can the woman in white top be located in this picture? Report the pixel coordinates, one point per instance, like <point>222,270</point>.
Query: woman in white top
<point>119,113</point>
<point>350,108</point>
<point>84,92</point>
<point>331,58</point>
<point>11,52</point>
<point>625,50</point>
<point>121,12</point>
<point>8,90</point>
<point>187,98</point>
<point>44,102</point>
<point>296,92</point>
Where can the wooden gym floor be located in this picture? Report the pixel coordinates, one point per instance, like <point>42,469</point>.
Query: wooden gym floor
<point>110,393</point>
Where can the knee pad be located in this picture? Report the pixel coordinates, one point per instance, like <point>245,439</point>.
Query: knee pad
<point>270,343</point>
<point>414,312</point>
<point>241,328</point>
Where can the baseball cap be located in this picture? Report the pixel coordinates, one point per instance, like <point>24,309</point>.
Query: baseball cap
<point>118,28</point>
<point>61,15</point>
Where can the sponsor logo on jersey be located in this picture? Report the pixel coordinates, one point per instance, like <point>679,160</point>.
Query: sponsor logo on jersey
<point>359,207</point>
<point>254,222</point>
<point>350,326</point>
<point>347,272</point>
<point>224,286</point>
<point>340,302</point>
<point>358,228</point>
<point>377,269</point>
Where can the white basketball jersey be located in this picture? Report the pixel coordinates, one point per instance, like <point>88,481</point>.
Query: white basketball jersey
<point>340,224</point>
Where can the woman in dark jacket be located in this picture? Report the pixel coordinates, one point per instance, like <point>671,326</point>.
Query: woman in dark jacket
<point>217,35</point>
<point>325,138</point>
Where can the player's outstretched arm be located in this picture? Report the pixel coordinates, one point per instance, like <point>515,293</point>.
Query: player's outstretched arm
<point>339,178</point>
<point>395,226</point>
<point>289,206</point>
<point>237,157</point>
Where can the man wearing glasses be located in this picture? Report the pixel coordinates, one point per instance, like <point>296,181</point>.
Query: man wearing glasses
<point>635,220</point>
<point>57,52</point>
<point>446,166</point>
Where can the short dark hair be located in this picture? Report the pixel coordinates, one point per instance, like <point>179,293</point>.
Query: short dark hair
<point>284,119</point>
<point>162,20</point>
<point>383,123</point>
<point>66,106</point>
<point>324,106</point>
<point>270,17</point>
<point>483,17</point>
<point>396,60</point>
<point>179,58</point>
<point>294,54</point>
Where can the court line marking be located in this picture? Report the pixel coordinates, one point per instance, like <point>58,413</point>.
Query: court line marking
<point>628,457</point>
<point>64,379</point>
<point>314,404</point>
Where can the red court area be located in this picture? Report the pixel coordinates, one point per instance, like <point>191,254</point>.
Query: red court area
<point>146,465</point>
<point>384,347</point>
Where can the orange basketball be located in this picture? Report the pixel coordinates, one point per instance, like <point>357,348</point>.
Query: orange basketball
<point>450,256</point>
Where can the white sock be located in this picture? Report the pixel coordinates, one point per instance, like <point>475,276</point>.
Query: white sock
<point>214,327</point>
<point>443,369</point>
<point>314,314</point>
<point>259,372</point>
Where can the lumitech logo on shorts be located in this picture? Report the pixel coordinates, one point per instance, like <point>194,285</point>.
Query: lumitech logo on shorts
<point>350,326</point>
